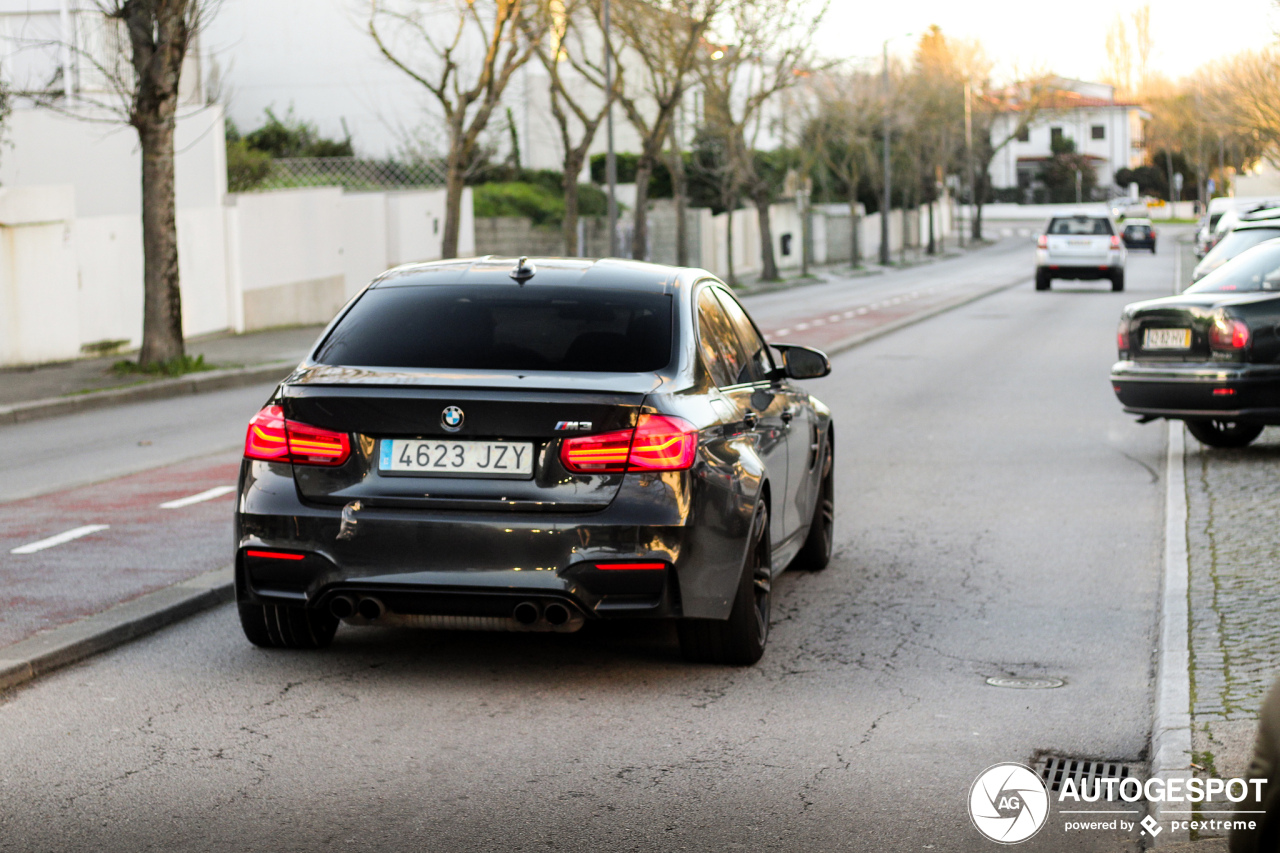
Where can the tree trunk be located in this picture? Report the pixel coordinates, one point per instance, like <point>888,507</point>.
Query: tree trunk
<point>679,187</point>
<point>162,297</point>
<point>728,244</point>
<point>980,187</point>
<point>640,216</point>
<point>933,245</point>
<point>454,182</point>
<point>569,228</point>
<point>768,263</point>
<point>855,236</point>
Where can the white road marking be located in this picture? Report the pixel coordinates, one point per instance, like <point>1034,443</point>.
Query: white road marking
<point>783,332</point>
<point>800,327</point>
<point>215,492</point>
<point>59,539</point>
<point>834,318</point>
<point>863,310</point>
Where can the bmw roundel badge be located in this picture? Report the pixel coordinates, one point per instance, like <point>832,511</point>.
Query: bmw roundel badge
<point>451,418</point>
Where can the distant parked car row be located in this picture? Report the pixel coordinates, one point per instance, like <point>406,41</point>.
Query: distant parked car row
<point>1210,356</point>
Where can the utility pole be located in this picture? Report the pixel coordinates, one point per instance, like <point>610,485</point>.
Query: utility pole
<point>884,207</point>
<point>610,160</point>
<point>968,155</point>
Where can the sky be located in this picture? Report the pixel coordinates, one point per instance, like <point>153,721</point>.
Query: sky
<point>315,56</point>
<point>1065,38</point>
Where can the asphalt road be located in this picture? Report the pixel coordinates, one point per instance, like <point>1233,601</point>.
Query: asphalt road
<point>997,515</point>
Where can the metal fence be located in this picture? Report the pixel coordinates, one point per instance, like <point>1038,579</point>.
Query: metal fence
<point>350,173</point>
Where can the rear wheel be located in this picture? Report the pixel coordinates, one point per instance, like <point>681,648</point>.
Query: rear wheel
<point>1117,281</point>
<point>276,626</point>
<point>816,551</point>
<point>740,639</point>
<point>1225,433</point>
<point>1042,280</point>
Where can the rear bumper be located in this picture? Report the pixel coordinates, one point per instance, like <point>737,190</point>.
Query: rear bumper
<point>1190,391</point>
<point>471,563</point>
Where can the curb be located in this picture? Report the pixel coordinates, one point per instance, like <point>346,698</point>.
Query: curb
<point>1171,726</point>
<point>161,389</point>
<point>67,644</point>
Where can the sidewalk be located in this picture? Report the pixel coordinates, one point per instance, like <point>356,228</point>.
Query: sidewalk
<point>48,381</point>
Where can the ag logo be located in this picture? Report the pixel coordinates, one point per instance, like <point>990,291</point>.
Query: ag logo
<point>1008,803</point>
<point>451,418</point>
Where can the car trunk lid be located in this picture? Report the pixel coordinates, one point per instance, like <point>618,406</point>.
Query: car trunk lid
<point>523,414</point>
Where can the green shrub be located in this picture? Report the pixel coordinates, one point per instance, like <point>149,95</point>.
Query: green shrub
<point>514,198</point>
<point>246,166</point>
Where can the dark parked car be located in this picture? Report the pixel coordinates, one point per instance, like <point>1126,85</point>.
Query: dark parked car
<point>1139,234</point>
<point>1209,356</point>
<point>495,445</point>
<point>1246,235</point>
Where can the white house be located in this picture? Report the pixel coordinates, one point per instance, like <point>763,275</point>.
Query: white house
<point>1107,131</point>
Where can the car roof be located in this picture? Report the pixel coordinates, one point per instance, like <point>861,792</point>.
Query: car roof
<point>579,272</point>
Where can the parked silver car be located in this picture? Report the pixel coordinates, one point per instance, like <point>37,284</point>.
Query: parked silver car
<point>1082,246</point>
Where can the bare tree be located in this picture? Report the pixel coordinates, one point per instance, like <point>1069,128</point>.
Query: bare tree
<point>572,88</point>
<point>840,134</point>
<point>140,70</point>
<point>767,50</point>
<point>464,53</point>
<point>667,37</point>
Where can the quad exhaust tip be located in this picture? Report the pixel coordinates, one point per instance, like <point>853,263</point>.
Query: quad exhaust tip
<point>371,608</point>
<point>556,614</point>
<point>342,606</point>
<point>526,613</point>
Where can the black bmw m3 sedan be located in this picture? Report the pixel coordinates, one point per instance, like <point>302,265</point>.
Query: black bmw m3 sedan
<point>508,445</point>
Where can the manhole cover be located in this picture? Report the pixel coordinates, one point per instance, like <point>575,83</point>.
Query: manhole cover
<point>1024,683</point>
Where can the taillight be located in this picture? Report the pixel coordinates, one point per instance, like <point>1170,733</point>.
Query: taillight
<point>273,438</point>
<point>1122,335</point>
<point>658,443</point>
<point>1042,242</point>
<point>1228,334</point>
<point>1115,241</point>
<point>662,443</point>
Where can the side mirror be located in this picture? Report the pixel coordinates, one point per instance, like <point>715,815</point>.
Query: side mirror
<point>803,362</point>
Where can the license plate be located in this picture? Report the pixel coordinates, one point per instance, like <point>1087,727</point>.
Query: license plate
<point>443,458</point>
<point>1167,339</point>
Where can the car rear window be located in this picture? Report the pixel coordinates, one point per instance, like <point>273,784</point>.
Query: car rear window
<point>498,327</point>
<point>1254,269</point>
<point>1078,225</point>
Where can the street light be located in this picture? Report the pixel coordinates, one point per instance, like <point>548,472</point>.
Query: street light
<point>884,208</point>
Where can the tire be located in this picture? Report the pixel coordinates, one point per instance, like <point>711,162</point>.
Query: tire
<point>276,626</point>
<point>1153,248</point>
<point>740,639</point>
<point>1225,433</point>
<point>815,554</point>
<point>1117,281</point>
<point>1042,280</point>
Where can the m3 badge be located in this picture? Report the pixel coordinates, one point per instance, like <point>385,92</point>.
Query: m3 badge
<point>561,426</point>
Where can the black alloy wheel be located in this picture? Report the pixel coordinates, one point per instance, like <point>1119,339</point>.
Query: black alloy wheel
<point>815,554</point>
<point>740,639</point>
<point>1216,433</point>
<point>1042,280</point>
<point>277,626</point>
<point>1117,281</point>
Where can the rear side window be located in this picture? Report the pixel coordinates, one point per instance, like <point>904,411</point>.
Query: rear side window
<point>758,363</point>
<point>498,327</point>
<point>719,342</point>
<point>1080,225</point>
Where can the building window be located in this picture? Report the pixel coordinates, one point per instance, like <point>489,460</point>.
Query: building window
<point>1055,136</point>
<point>1098,131</point>
<point>1024,134</point>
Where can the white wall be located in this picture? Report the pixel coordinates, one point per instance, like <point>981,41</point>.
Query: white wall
<point>39,286</point>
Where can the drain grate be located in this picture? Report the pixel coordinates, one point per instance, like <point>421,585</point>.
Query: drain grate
<point>1086,773</point>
